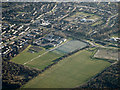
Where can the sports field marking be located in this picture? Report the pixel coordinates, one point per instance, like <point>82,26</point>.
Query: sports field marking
<point>43,54</point>
<point>36,57</point>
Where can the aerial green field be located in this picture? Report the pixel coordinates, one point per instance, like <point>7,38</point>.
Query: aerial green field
<point>44,60</point>
<point>42,57</point>
<point>70,72</point>
<point>40,62</point>
<point>25,56</point>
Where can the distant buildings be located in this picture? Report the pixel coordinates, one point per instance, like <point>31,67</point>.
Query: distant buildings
<point>50,40</point>
<point>41,22</point>
<point>87,20</point>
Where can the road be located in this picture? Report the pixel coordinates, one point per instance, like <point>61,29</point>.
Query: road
<point>93,44</point>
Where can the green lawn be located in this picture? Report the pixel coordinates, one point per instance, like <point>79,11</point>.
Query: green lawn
<point>70,72</point>
<point>44,60</point>
<point>25,56</point>
<point>40,62</point>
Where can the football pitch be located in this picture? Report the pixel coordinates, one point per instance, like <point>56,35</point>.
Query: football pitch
<point>44,57</point>
<point>36,60</point>
<point>70,72</point>
<point>25,56</point>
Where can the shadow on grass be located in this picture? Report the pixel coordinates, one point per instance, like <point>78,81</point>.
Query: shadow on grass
<point>108,60</point>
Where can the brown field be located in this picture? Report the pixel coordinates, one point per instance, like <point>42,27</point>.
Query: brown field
<point>111,54</point>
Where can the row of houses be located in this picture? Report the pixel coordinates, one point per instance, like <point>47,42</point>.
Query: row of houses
<point>13,39</point>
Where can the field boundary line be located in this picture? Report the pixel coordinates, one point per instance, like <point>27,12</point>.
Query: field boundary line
<point>43,53</point>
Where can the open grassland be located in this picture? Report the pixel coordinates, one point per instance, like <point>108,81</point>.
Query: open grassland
<point>25,56</point>
<point>44,60</point>
<point>41,62</point>
<point>72,71</point>
<point>38,57</point>
<point>47,59</point>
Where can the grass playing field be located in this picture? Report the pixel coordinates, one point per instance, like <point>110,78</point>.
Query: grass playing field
<point>43,58</point>
<point>25,56</point>
<point>70,72</point>
<point>40,62</point>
